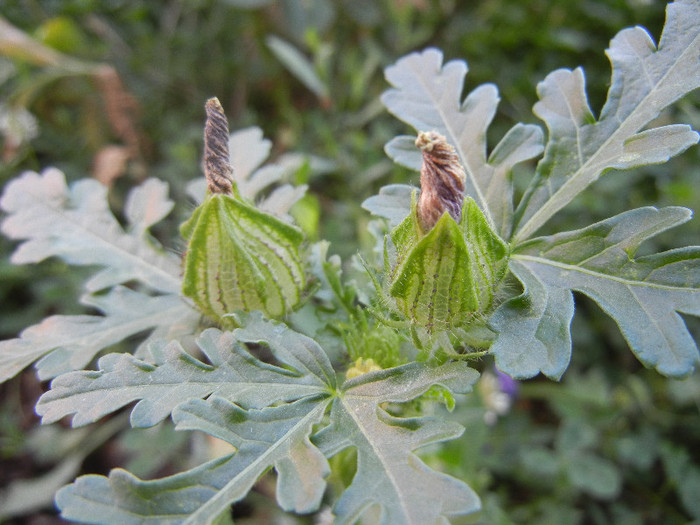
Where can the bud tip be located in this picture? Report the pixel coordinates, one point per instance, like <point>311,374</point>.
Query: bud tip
<point>217,165</point>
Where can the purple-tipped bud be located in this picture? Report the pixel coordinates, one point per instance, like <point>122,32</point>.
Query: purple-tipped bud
<point>217,165</point>
<point>441,180</point>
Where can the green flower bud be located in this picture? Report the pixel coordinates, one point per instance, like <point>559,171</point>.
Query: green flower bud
<point>449,261</point>
<point>238,258</point>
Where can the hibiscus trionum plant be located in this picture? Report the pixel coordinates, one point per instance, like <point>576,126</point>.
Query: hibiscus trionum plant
<point>254,335</point>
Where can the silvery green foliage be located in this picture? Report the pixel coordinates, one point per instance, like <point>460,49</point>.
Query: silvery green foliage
<point>75,224</point>
<point>294,415</point>
<point>268,413</point>
<point>642,295</point>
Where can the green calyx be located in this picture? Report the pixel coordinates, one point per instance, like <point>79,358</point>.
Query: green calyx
<point>241,259</point>
<point>447,276</point>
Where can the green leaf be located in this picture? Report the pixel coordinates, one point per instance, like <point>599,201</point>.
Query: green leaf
<point>270,437</point>
<point>597,476</point>
<point>427,95</point>
<point>684,475</point>
<point>268,413</point>
<point>534,328</point>
<point>393,201</point>
<point>77,225</point>
<point>241,259</point>
<point>643,295</point>
<point>300,66</point>
<point>69,342</point>
<point>580,148</point>
<point>273,436</point>
<point>389,474</point>
<point>175,376</point>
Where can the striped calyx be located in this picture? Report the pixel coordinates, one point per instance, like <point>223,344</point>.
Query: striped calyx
<point>238,257</point>
<point>445,274</point>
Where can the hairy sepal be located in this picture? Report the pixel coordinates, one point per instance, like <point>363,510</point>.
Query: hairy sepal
<point>443,278</point>
<point>241,259</point>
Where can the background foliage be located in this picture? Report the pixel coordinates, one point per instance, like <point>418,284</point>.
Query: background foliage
<point>614,443</point>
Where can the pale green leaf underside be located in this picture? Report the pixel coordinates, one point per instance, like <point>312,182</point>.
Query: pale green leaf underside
<point>393,202</point>
<point>175,377</point>
<point>533,329</point>
<point>643,295</point>
<point>389,474</point>
<point>645,80</point>
<point>77,225</point>
<point>427,95</point>
<point>273,436</point>
<point>65,343</point>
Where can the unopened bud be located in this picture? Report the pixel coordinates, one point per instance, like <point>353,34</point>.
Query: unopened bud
<point>238,257</point>
<point>441,180</point>
<point>217,165</point>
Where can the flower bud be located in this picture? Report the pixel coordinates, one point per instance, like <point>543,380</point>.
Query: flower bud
<point>448,261</point>
<point>238,257</point>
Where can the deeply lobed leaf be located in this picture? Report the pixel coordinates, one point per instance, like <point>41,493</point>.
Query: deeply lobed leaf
<point>175,376</point>
<point>69,342</point>
<point>77,225</point>
<point>427,95</point>
<point>643,295</point>
<point>389,474</point>
<point>273,436</point>
<point>268,414</point>
<point>645,80</point>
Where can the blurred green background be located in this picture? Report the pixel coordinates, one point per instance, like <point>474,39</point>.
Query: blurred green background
<point>115,90</point>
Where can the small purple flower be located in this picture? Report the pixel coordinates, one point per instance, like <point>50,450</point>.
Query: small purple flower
<point>507,384</point>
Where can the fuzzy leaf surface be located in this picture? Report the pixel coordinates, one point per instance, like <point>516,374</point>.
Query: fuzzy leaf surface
<point>273,429</point>
<point>389,474</point>
<point>238,412</point>
<point>273,436</point>
<point>175,377</point>
<point>644,295</point>
<point>427,95</point>
<point>393,202</point>
<point>64,343</point>
<point>645,80</point>
<point>76,224</point>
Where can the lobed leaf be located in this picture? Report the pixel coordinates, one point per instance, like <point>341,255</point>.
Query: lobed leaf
<point>389,474</point>
<point>393,202</point>
<point>77,225</point>
<point>273,436</point>
<point>643,295</point>
<point>427,95</point>
<point>69,342</point>
<point>176,376</point>
<point>645,80</point>
<point>268,414</point>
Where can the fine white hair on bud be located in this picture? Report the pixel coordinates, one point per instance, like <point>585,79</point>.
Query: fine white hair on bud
<point>217,165</point>
<point>441,179</point>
